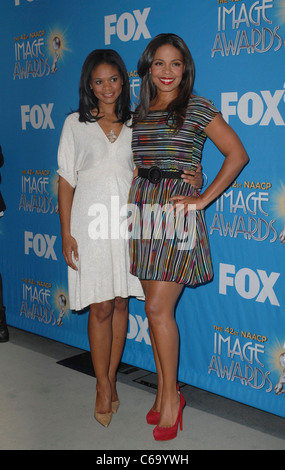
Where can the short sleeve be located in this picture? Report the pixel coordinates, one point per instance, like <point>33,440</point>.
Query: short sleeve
<point>202,112</point>
<point>128,124</point>
<point>210,111</point>
<point>66,154</point>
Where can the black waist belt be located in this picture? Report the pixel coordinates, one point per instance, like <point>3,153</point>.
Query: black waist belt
<point>155,174</point>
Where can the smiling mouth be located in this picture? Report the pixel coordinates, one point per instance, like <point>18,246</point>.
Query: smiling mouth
<point>166,80</point>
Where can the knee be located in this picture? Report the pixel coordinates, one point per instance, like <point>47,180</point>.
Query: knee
<point>153,312</point>
<point>102,311</point>
<point>121,305</point>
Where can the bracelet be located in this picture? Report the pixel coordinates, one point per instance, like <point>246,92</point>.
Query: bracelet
<point>205,177</point>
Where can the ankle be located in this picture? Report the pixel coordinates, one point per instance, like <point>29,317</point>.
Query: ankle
<point>157,404</point>
<point>103,385</point>
<point>113,384</point>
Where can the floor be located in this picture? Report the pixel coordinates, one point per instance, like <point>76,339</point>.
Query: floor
<point>47,392</point>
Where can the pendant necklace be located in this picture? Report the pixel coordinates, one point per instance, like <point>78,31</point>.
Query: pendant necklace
<point>111,136</point>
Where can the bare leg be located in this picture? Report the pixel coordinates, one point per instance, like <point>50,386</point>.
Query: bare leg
<point>100,341</point>
<point>161,298</point>
<point>119,331</point>
<point>107,328</point>
<point>157,404</point>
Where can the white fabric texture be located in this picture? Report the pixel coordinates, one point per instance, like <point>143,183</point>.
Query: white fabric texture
<point>101,173</point>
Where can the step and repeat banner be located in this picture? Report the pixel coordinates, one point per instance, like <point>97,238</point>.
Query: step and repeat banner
<point>232,330</point>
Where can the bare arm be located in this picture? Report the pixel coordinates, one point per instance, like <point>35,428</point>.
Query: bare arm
<point>227,141</point>
<point>65,199</point>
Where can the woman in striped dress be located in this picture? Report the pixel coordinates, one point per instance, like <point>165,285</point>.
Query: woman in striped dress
<point>169,246</point>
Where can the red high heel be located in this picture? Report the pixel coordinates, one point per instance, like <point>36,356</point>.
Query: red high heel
<point>153,417</point>
<point>166,434</point>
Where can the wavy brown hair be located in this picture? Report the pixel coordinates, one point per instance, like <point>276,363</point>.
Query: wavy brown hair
<point>177,108</point>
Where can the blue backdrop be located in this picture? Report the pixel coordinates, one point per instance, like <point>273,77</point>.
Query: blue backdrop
<point>233,329</point>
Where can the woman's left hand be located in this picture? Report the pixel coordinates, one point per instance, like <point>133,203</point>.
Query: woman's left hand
<point>186,203</point>
<point>195,178</point>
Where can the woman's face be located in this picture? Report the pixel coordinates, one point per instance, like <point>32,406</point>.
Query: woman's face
<point>167,68</point>
<point>106,83</point>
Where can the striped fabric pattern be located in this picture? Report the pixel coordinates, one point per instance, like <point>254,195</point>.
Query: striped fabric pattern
<point>163,246</point>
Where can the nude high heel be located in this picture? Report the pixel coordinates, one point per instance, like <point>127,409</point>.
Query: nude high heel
<point>103,418</point>
<point>115,406</point>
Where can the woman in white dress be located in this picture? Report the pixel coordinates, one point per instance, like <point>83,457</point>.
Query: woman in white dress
<point>96,169</point>
<point>95,173</point>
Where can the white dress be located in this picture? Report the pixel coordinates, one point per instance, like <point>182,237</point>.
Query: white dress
<point>101,173</point>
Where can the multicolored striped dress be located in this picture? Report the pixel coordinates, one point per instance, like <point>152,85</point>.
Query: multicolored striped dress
<point>162,247</point>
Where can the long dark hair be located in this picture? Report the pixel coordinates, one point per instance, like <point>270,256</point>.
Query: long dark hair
<point>177,108</point>
<point>87,99</point>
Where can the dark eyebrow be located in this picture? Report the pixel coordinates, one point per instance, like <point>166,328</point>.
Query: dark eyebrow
<point>173,60</point>
<point>112,76</point>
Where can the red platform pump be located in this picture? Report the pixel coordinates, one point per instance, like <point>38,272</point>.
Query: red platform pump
<point>152,417</point>
<point>168,433</point>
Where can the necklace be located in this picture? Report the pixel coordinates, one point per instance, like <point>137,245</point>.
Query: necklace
<point>112,136</point>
